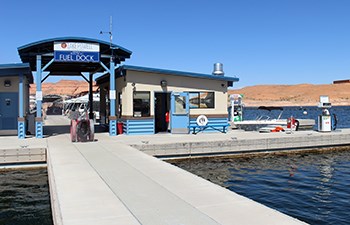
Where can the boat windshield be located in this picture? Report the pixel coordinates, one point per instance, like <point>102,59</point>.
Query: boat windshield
<point>270,108</point>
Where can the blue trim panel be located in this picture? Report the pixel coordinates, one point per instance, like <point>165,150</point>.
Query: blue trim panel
<point>179,73</point>
<point>138,127</point>
<point>14,69</point>
<point>120,72</point>
<point>217,123</point>
<point>112,128</point>
<point>21,130</point>
<point>39,129</point>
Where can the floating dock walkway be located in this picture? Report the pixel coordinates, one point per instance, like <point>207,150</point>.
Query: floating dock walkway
<point>110,182</point>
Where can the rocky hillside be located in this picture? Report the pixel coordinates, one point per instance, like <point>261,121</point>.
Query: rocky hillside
<point>63,87</point>
<point>294,95</point>
<point>268,95</point>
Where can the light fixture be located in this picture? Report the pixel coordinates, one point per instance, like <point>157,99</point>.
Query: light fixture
<point>7,83</point>
<point>163,83</point>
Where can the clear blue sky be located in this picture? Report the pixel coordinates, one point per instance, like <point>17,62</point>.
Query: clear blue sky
<point>259,41</point>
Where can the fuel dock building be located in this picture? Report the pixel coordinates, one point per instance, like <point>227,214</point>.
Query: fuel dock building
<point>151,100</point>
<point>142,100</point>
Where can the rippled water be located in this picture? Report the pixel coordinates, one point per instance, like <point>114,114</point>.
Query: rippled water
<point>24,197</point>
<point>314,188</point>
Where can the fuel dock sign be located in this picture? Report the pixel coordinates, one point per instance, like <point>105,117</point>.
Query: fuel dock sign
<point>76,52</point>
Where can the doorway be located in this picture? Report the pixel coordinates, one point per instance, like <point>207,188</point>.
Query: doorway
<point>161,107</point>
<point>8,110</point>
<point>180,113</point>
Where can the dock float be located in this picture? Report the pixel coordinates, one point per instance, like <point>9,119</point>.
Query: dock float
<point>238,142</point>
<point>109,182</point>
<point>117,180</point>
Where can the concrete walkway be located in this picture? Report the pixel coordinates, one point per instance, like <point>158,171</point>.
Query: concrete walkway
<point>109,182</point>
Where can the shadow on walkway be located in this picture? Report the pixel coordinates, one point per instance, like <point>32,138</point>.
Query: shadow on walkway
<point>53,130</point>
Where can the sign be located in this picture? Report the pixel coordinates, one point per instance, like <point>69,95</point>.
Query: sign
<point>76,52</point>
<point>202,120</point>
<point>112,94</point>
<point>39,95</point>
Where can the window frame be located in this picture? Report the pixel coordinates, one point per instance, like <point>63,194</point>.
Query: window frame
<point>142,106</point>
<point>200,93</point>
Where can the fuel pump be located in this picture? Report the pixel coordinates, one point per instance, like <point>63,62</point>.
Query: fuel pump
<point>324,120</point>
<point>236,107</point>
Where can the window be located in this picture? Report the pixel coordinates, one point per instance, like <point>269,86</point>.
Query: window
<point>201,100</point>
<point>141,103</point>
<point>180,105</point>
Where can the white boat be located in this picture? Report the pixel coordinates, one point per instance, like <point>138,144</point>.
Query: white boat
<point>266,122</point>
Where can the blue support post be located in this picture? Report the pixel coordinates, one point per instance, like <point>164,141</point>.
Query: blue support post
<point>21,121</point>
<point>112,98</point>
<point>39,96</point>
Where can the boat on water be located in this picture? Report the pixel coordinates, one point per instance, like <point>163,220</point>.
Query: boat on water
<point>264,123</point>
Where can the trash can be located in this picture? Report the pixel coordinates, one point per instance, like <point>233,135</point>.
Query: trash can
<point>120,127</point>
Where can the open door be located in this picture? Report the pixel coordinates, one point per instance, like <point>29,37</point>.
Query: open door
<point>161,111</point>
<point>180,113</point>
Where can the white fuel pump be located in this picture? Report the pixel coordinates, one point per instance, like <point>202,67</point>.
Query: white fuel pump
<point>324,120</point>
<point>236,103</point>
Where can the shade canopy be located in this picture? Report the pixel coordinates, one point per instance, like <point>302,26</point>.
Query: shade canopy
<point>28,54</point>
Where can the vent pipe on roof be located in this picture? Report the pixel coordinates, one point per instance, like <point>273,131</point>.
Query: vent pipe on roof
<point>218,69</point>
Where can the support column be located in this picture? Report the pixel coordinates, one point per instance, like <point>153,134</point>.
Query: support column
<point>21,121</point>
<point>39,98</point>
<point>91,99</point>
<point>103,105</point>
<point>112,98</point>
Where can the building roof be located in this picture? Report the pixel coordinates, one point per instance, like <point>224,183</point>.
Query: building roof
<point>14,69</point>
<point>121,72</point>
<point>45,48</point>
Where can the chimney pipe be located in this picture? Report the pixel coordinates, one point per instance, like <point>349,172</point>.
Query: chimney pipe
<point>218,69</point>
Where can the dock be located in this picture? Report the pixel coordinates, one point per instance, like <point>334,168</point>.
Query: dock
<point>117,180</point>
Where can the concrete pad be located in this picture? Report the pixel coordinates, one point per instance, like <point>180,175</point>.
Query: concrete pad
<point>79,195</point>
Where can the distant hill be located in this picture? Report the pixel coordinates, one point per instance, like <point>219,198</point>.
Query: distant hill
<point>294,95</point>
<point>268,95</point>
<point>63,87</point>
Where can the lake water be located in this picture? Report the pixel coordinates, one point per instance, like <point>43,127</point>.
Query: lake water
<point>314,188</point>
<point>24,197</point>
<point>311,187</point>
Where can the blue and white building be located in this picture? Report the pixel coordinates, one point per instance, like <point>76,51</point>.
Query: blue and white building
<point>143,100</point>
<point>14,98</point>
<point>146,95</point>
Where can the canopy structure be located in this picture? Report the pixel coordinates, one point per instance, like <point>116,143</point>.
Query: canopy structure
<point>45,48</point>
<point>73,56</point>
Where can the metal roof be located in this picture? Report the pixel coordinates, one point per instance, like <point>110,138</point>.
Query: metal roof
<point>121,69</point>
<point>28,54</point>
<point>14,69</point>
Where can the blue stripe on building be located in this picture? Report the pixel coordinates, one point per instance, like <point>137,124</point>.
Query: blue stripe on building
<point>139,126</point>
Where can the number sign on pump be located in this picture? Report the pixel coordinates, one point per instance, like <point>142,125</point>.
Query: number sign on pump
<point>77,52</point>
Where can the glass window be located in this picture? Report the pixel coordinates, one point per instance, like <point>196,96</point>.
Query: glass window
<point>180,105</point>
<point>194,100</point>
<point>201,100</point>
<point>141,103</point>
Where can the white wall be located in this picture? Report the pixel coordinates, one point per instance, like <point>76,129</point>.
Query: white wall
<point>151,82</point>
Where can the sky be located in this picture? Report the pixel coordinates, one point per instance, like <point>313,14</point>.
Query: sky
<point>258,41</point>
